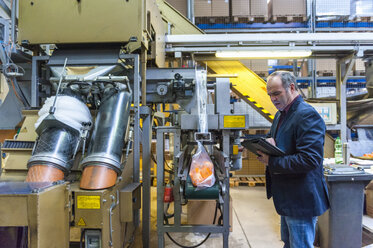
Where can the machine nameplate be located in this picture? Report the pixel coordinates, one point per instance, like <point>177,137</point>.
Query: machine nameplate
<point>88,201</point>
<point>234,121</point>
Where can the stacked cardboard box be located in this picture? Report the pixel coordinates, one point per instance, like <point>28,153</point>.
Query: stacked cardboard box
<point>240,7</point>
<point>359,67</point>
<point>326,66</point>
<point>180,5</point>
<point>259,8</point>
<point>259,66</point>
<point>220,8</point>
<point>287,8</point>
<point>250,165</point>
<point>202,8</point>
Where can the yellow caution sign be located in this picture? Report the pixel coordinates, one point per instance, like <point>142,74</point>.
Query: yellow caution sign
<point>234,121</point>
<point>88,202</point>
<point>81,222</point>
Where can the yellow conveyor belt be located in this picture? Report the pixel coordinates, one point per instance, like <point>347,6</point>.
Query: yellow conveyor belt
<point>247,85</point>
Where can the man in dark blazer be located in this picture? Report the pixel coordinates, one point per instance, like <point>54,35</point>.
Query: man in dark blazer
<point>295,181</point>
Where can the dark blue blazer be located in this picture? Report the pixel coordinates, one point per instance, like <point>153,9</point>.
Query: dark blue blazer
<point>296,180</point>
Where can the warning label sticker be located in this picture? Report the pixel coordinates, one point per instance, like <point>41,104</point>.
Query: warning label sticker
<point>81,222</point>
<point>88,201</point>
<point>234,121</point>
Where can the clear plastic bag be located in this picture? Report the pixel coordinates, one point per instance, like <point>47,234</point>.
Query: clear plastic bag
<point>202,169</point>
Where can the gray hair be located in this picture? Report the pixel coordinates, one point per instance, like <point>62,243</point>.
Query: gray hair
<point>287,78</point>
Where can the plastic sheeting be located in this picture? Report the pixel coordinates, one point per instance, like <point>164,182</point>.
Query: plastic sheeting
<point>69,111</point>
<point>201,84</point>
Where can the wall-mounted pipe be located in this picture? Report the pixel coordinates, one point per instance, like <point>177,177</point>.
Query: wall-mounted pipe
<point>13,18</point>
<point>103,162</point>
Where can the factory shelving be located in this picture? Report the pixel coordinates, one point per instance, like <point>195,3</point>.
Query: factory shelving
<point>286,27</point>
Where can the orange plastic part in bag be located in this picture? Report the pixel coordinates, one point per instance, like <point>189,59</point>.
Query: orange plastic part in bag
<point>202,169</point>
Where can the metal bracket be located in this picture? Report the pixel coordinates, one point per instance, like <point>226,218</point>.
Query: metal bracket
<point>202,136</point>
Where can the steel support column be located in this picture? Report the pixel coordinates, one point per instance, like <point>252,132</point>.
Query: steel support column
<point>137,130</point>
<point>146,142</point>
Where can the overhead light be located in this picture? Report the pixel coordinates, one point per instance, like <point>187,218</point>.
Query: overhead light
<point>265,54</point>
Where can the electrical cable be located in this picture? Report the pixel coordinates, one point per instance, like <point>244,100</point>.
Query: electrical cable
<point>25,101</point>
<point>203,241</point>
<point>12,67</point>
<point>131,240</point>
<point>15,91</point>
<point>81,239</point>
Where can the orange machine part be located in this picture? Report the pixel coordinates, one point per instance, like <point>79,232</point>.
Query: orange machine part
<point>97,177</point>
<point>44,173</point>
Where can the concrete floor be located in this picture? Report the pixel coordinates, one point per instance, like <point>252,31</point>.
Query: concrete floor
<point>255,223</point>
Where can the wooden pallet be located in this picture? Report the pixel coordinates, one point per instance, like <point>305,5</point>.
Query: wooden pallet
<point>232,181</point>
<point>326,73</point>
<point>363,19</point>
<point>250,19</point>
<point>359,73</point>
<point>258,19</point>
<point>212,20</point>
<point>250,181</point>
<point>287,19</point>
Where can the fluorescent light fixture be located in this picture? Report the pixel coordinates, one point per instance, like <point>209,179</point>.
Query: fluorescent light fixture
<point>264,54</point>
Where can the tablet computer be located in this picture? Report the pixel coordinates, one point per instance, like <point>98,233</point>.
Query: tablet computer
<point>261,144</point>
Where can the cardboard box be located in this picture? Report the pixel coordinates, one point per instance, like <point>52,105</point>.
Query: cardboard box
<point>259,8</point>
<point>359,65</point>
<point>250,165</point>
<point>202,8</point>
<point>240,7</point>
<point>287,7</point>
<point>259,65</point>
<point>180,5</point>
<point>369,199</point>
<point>201,212</point>
<point>220,8</point>
<point>326,65</point>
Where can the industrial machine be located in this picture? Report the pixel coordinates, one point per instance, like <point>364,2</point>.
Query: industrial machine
<point>82,180</point>
<point>72,174</point>
<point>222,142</point>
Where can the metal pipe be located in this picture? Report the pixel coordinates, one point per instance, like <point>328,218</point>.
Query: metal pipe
<point>59,138</point>
<point>13,18</point>
<point>190,9</point>
<point>107,142</point>
<point>143,75</point>
<point>55,148</point>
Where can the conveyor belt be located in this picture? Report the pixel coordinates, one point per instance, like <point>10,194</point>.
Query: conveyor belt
<point>248,86</point>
